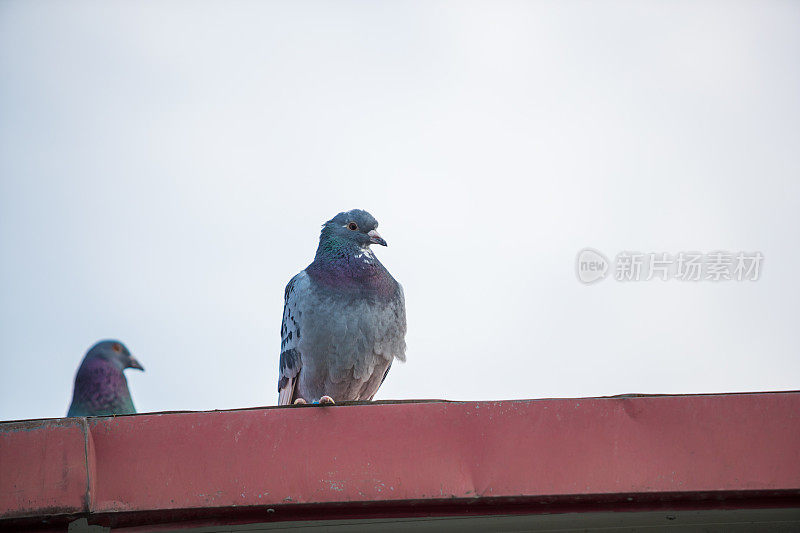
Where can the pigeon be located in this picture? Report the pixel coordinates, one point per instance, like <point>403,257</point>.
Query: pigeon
<point>100,385</point>
<point>344,318</point>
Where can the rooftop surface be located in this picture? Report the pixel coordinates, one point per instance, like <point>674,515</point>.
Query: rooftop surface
<point>406,460</point>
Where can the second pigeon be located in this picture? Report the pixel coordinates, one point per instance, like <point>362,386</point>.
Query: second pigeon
<point>344,318</point>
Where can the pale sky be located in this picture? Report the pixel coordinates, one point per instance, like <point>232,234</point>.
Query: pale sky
<point>165,168</point>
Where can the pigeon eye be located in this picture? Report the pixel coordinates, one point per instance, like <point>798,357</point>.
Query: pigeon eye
<point>116,347</point>
<point>352,226</point>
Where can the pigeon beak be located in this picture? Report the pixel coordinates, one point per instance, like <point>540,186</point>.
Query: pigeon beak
<point>133,363</point>
<point>375,238</point>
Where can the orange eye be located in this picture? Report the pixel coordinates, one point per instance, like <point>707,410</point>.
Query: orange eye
<point>116,347</point>
<point>352,226</point>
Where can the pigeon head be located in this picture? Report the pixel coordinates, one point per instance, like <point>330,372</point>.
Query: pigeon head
<point>114,352</point>
<point>355,226</point>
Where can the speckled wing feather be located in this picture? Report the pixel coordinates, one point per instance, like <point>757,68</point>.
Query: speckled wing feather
<point>291,360</point>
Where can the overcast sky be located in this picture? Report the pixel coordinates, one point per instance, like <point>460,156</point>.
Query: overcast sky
<point>165,168</point>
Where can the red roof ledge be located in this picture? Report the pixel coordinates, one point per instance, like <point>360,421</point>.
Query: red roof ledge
<point>392,459</point>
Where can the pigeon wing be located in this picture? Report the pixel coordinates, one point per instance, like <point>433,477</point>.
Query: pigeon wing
<point>291,328</point>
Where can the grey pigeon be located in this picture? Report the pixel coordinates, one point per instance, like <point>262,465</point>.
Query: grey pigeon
<point>344,318</point>
<point>100,385</point>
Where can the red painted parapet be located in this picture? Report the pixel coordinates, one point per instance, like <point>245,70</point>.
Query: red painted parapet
<point>402,458</point>
<point>43,469</point>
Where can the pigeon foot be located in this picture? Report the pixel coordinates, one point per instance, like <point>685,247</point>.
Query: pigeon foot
<point>326,400</point>
<point>299,401</point>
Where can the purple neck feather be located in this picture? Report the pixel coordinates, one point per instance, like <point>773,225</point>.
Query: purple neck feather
<point>344,266</point>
